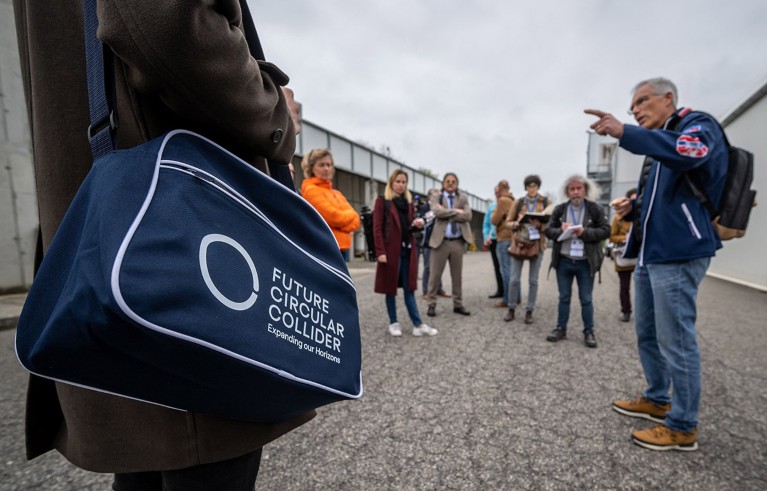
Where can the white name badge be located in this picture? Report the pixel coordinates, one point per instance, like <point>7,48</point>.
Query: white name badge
<point>576,248</point>
<point>535,234</point>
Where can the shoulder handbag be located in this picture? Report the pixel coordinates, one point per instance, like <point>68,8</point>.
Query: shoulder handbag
<point>184,277</point>
<point>522,247</point>
<point>521,251</point>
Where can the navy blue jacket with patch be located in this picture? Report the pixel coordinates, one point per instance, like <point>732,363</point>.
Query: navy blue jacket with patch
<point>675,224</point>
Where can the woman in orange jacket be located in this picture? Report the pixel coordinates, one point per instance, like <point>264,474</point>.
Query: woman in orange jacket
<point>317,189</point>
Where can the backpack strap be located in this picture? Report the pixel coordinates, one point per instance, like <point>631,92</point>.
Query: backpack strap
<point>695,188</point>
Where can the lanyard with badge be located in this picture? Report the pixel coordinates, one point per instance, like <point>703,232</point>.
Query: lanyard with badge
<point>535,234</point>
<point>576,244</point>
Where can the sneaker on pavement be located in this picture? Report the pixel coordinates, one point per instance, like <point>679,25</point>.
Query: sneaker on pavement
<point>529,317</point>
<point>643,408</point>
<point>664,438</point>
<point>395,329</point>
<point>625,317</point>
<point>423,329</point>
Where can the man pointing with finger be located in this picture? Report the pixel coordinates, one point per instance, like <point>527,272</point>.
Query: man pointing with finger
<point>674,240</point>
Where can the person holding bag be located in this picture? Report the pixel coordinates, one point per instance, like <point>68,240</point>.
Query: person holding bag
<point>527,244</point>
<point>619,230</point>
<point>169,73</point>
<point>396,252</point>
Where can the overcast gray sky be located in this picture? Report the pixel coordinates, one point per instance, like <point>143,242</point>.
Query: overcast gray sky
<point>496,89</point>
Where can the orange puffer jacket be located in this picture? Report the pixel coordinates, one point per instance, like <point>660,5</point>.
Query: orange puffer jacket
<point>333,207</point>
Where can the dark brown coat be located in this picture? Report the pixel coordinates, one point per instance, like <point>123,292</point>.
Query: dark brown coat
<point>179,64</point>
<point>502,218</point>
<point>389,242</point>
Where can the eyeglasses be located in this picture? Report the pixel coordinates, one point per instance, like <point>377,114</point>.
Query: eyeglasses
<point>639,103</point>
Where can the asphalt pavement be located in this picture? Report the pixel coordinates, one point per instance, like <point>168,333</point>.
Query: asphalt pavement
<point>487,404</point>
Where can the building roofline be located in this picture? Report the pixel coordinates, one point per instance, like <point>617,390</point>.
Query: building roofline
<point>745,105</point>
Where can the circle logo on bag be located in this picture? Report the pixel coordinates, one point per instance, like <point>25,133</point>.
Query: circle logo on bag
<point>210,239</point>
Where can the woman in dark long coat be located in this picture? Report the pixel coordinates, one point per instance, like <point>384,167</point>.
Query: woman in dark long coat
<point>396,252</point>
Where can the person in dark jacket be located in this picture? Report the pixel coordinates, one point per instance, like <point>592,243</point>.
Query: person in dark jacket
<point>577,226</point>
<point>176,64</point>
<point>393,225</point>
<point>674,239</point>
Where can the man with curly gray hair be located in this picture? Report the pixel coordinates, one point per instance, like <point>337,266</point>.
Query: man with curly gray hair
<point>577,227</point>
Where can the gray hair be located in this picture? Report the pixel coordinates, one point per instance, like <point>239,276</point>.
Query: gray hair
<point>592,188</point>
<point>659,86</point>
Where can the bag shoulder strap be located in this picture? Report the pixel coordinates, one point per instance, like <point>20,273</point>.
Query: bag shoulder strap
<point>103,119</point>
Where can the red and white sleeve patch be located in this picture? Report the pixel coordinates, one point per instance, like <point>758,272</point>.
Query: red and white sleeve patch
<point>691,146</point>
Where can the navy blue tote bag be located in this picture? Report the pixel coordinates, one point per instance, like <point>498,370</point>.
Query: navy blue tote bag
<point>184,277</point>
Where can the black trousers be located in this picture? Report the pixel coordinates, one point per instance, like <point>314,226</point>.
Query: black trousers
<point>625,290</point>
<point>238,474</point>
<point>496,266</point>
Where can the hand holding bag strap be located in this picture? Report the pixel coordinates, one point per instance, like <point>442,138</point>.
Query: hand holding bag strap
<point>103,118</point>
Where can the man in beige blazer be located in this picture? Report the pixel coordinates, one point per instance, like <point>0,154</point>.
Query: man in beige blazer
<point>177,64</point>
<point>451,234</point>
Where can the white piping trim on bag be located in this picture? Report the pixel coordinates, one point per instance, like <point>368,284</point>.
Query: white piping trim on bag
<point>115,277</point>
<point>235,196</point>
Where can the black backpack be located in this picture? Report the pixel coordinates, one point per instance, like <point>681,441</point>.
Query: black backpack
<point>730,217</point>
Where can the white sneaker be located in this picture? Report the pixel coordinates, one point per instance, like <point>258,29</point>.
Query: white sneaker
<point>424,329</point>
<point>395,329</point>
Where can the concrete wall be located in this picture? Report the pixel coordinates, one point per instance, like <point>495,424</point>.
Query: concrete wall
<point>18,208</point>
<point>742,260</point>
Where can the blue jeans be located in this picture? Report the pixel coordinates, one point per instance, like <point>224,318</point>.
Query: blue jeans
<point>515,284</point>
<point>567,269</point>
<point>504,260</point>
<point>665,312</point>
<point>391,300</point>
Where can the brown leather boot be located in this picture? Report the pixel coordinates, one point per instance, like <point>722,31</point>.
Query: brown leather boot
<point>509,315</point>
<point>529,317</point>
